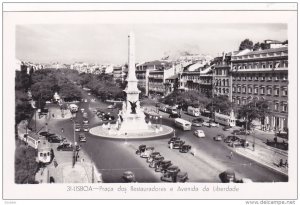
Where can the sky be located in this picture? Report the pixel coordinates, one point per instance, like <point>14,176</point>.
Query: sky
<point>107,43</point>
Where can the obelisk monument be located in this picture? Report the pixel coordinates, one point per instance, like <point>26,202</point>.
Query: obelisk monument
<point>132,115</point>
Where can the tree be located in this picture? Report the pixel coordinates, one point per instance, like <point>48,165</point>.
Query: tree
<point>254,110</point>
<point>246,44</point>
<point>264,46</point>
<point>256,46</point>
<point>220,104</point>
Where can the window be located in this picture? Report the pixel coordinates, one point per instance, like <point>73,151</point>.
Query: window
<point>233,89</point>
<point>233,100</point>
<point>256,90</point>
<point>263,65</point>
<point>276,106</point>
<point>41,154</point>
<point>250,78</point>
<point>284,77</point>
<point>256,78</point>
<point>239,89</point>
<point>276,91</point>
<point>270,65</point>
<point>249,90</point>
<point>262,90</point>
<point>243,101</point>
<point>284,92</point>
<point>244,89</point>
<point>269,91</point>
<point>269,78</point>
<point>276,78</point>
<point>262,78</point>
<point>284,108</point>
<point>238,101</point>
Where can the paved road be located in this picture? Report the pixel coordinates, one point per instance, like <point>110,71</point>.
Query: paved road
<point>113,157</point>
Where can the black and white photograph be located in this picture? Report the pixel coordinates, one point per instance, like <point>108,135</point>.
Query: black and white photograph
<point>112,99</point>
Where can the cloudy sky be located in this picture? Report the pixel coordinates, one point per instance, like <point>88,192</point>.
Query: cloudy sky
<point>107,43</point>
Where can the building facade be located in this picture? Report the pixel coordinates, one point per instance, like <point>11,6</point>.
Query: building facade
<point>263,75</point>
<point>221,75</point>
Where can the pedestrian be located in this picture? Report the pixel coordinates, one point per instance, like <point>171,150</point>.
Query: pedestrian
<point>286,163</point>
<point>62,130</point>
<point>280,163</point>
<point>231,155</point>
<point>52,115</point>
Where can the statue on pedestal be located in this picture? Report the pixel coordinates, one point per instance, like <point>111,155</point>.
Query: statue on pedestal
<point>133,107</point>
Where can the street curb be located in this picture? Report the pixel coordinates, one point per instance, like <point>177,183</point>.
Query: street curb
<point>266,165</point>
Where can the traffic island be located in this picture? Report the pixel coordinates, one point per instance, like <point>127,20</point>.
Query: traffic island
<point>152,132</point>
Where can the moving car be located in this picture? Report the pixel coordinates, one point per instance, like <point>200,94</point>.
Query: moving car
<point>206,124</point>
<point>228,176</point>
<point>85,121</point>
<point>82,137</point>
<point>197,122</point>
<point>219,137</point>
<point>85,127</point>
<point>65,147</point>
<point>174,115</point>
<point>231,138</point>
<point>173,139</point>
<point>77,127</point>
<point>128,177</point>
<point>176,144</point>
<point>111,107</point>
<point>199,133</point>
<point>185,148</point>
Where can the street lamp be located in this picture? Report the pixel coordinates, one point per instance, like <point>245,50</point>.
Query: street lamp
<point>74,140</point>
<point>156,118</point>
<point>160,122</point>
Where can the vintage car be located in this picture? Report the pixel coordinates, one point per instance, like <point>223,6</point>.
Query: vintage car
<point>65,147</point>
<point>147,152</point>
<point>54,139</point>
<point>199,133</point>
<point>173,174</point>
<point>140,149</point>
<point>128,177</point>
<point>228,176</point>
<point>152,156</point>
<point>219,137</point>
<point>227,127</point>
<point>185,148</point>
<point>174,115</point>
<point>163,166</point>
<point>206,124</point>
<point>156,161</point>
<point>176,144</point>
<point>197,122</point>
<point>231,138</point>
<point>82,137</point>
<point>85,127</point>
<point>173,139</point>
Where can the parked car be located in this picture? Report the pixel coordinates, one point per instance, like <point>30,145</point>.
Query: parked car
<point>77,127</point>
<point>231,138</point>
<point>85,128</point>
<point>140,149</point>
<point>128,177</point>
<point>240,132</point>
<point>219,137</point>
<point>152,156</point>
<point>172,175</point>
<point>46,134</point>
<point>163,166</point>
<point>227,127</point>
<point>156,161</point>
<point>82,137</point>
<point>176,144</point>
<point>206,124</point>
<point>213,124</point>
<point>148,151</point>
<point>199,133</point>
<point>111,107</point>
<point>65,147</point>
<point>174,115</point>
<point>54,139</point>
<point>228,176</point>
<point>185,148</point>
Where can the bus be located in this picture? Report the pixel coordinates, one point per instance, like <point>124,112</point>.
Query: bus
<point>194,111</point>
<point>181,123</point>
<point>225,119</point>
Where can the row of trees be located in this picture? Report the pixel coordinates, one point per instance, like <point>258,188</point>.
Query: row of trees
<point>248,44</point>
<point>251,111</point>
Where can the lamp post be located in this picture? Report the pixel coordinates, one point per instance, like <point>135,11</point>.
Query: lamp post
<point>156,118</point>
<point>74,140</point>
<point>160,121</point>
